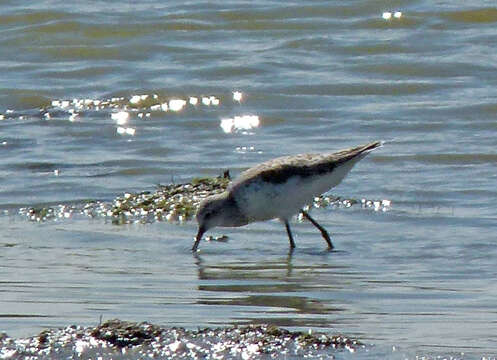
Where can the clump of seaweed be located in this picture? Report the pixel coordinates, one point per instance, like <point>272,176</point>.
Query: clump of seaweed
<point>125,333</point>
<point>117,339</point>
<point>173,202</point>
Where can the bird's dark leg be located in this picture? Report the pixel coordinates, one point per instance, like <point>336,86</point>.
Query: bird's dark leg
<point>324,233</point>
<point>289,232</point>
<point>201,232</point>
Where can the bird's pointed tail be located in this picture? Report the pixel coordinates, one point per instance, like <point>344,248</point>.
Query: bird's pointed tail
<point>369,147</point>
<point>358,151</point>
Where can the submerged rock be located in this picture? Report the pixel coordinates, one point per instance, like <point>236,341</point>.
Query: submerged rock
<point>117,339</point>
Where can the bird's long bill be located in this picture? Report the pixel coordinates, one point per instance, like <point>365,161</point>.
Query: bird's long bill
<point>201,231</point>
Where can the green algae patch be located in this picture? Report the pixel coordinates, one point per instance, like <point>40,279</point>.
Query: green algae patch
<point>125,333</point>
<point>173,202</point>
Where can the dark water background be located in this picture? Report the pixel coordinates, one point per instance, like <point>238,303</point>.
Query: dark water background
<point>317,76</point>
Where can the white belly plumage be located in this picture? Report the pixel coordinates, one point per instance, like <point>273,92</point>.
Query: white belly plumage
<point>260,200</point>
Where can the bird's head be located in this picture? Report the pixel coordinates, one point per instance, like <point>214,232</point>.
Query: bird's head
<point>212,212</point>
<point>217,210</point>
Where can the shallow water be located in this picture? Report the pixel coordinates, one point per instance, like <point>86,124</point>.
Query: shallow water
<point>314,77</point>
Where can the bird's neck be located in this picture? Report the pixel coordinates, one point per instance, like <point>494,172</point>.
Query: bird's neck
<point>232,216</point>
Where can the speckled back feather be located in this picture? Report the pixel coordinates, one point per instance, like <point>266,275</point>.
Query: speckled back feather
<point>280,169</point>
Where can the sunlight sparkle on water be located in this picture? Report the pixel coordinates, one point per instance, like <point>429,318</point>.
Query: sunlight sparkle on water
<point>244,149</point>
<point>387,15</point>
<point>244,122</point>
<point>152,102</point>
<point>120,117</point>
<point>120,111</point>
<point>125,131</point>
<point>237,96</point>
<point>135,99</point>
<point>176,104</point>
<point>214,100</point>
<point>73,115</point>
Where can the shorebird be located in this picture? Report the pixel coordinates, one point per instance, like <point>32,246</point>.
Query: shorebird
<point>278,189</point>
